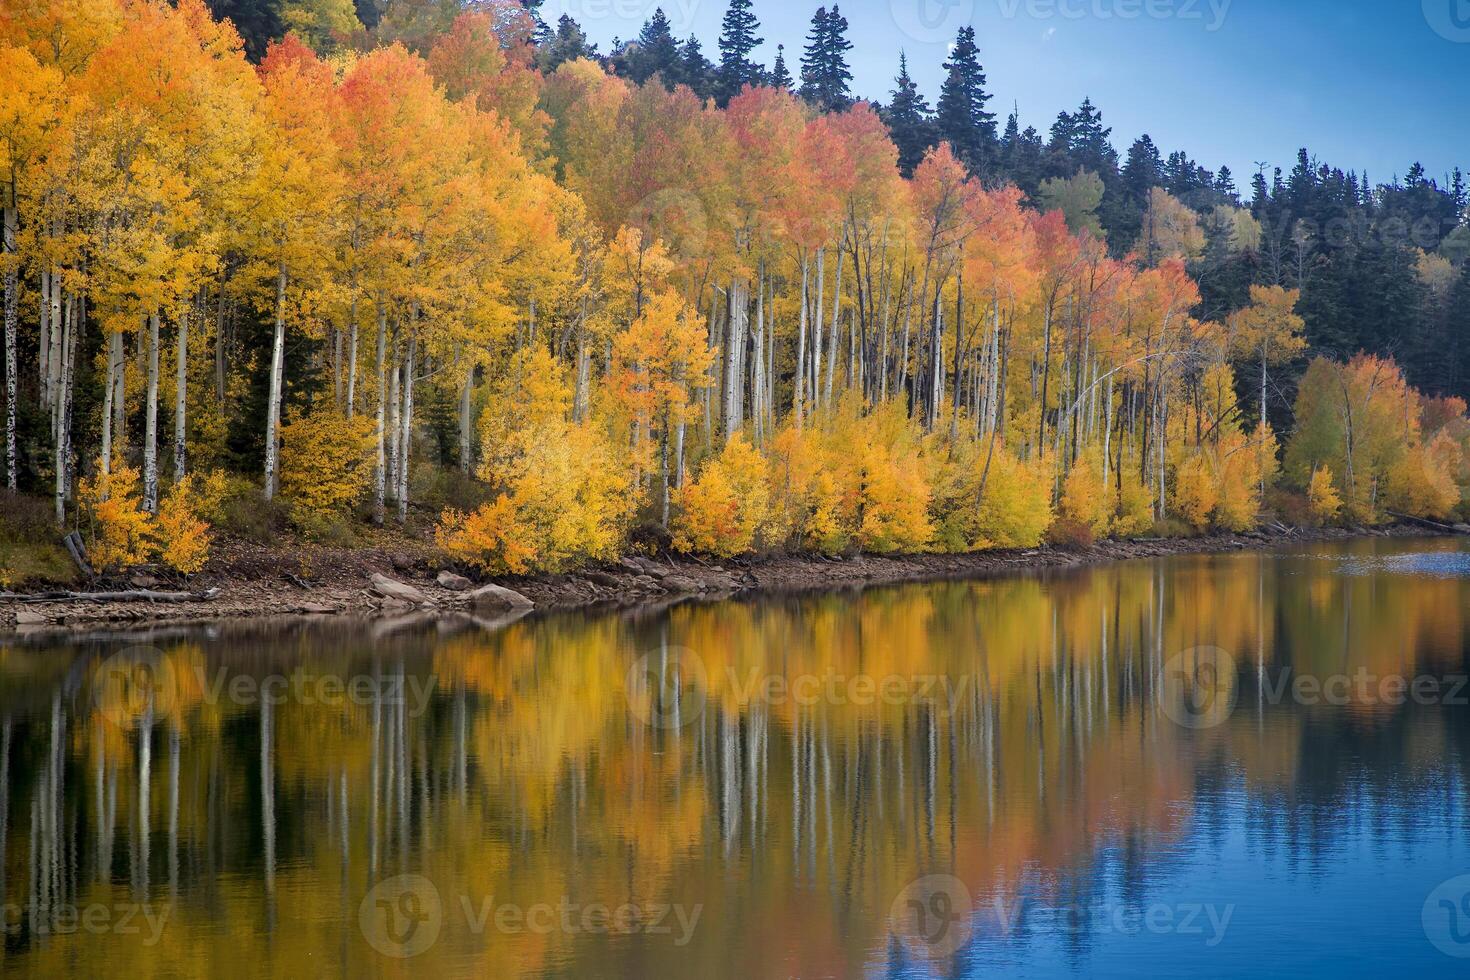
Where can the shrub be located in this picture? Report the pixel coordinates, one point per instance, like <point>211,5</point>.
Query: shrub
<point>180,532</point>
<point>727,509</point>
<point>116,523</point>
<point>1014,510</point>
<point>244,513</point>
<point>1135,507</point>
<point>1067,532</point>
<point>327,461</point>
<point>1196,491</point>
<point>1085,501</point>
<point>1323,502</point>
<point>565,500</point>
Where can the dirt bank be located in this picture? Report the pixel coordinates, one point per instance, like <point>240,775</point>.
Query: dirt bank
<point>247,580</point>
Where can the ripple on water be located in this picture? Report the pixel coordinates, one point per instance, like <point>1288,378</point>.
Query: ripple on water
<point>1430,564</point>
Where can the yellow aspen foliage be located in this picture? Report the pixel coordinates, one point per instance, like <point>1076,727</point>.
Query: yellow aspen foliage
<point>1084,498</point>
<point>1196,491</point>
<point>533,391</point>
<point>1244,465</point>
<point>1135,513</point>
<point>180,530</point>
<point>892,491</point>
<point>567,500</point>
<point>1014,510</point>
<point>1421,482</point>
<point>326,461</point>
<point>823,528</point>
<point>860,477</point>
<point>115,522</point>
<point>725,511</point>
<point>1323,502</point>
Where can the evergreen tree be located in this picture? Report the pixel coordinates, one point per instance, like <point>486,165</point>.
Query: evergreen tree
<point>1089,143</point>
<point>1260,195</point>
<point>780,74</point>
<point>1021,154</point>
<point>258,21</point>
<point>655,52</point>
<point>540,33</point>
<point>694,69</point>
<point>824,73</point>
<point>1225,186</point>
<point>961,116</point>
<point>368,12</point>
<point>568,44</point>
<point>909,120</point>
<point>1458,315</point>
<point>737,40</point>
<point>1143,170</point>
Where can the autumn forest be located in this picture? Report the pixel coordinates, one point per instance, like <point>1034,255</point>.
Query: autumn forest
<point>325,270</point>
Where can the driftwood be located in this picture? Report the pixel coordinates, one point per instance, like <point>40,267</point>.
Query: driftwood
<point>1424,522</point>
<point>78,552</point>
<point>129,595</point>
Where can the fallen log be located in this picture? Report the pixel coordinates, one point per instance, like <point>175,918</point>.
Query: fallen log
<point>78,551</point>
<point>129,595</point>
<point>1423,522</point>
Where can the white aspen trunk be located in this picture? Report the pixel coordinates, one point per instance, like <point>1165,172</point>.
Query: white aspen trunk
<point>352,362</point>
<point>380,471</point>
<point>584,368</point>
<point>1107,432</point>
<point>734,345</point>
<point>883,352</point>
<point>58,330</point>
<point>62,430</point>
<point>337,369</point>
<point>11,329</point>
<point>757,368</point>
<point>936,357</point>
<point>711,333</point>
<point>405,439</point>
<point>43,351</point>
<point>273,402</point>
<point>908,322</point>
<point>466,443</point>
<point>109,396</point>
<point>770,371</point>
<point>817,328</point>
<point>679,450</point>
<point>181,391</point>
<point>663,471</point>
<point>797,377</point>
<point>150,422</point>
<point>834,333</point>
<point>219,350</point>
<point>395,407</point>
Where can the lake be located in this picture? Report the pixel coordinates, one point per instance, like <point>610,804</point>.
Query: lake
<point>1195,766</point>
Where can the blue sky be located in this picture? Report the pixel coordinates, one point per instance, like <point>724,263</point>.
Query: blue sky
<point>1365,84</point>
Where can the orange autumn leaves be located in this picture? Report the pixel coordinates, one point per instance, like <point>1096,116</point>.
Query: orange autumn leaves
<point>637,307</point>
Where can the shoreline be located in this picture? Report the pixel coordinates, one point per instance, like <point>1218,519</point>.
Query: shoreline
<point>252,582</point>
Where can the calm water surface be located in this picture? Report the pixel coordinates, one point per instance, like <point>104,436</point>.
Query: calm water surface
<point>1199,766</point>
